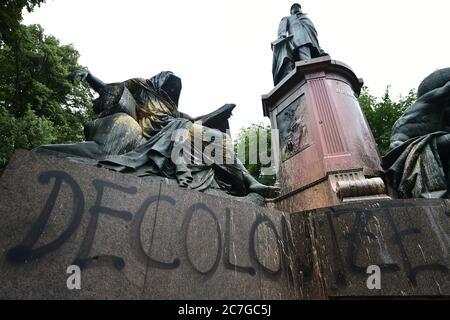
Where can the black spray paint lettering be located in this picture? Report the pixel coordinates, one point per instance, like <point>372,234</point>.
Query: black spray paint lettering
<point>83,258</point>
<point>187,220</point>
<point>139,218</point>
<point>360,229</point>
<point>411,271</point>
<point>261,220</point>
<point>24,251</point>
<point>226,253</point>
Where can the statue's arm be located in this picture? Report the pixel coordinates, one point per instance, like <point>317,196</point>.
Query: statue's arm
<point>84,74</point>
<point>283,28</point>
<point>95,83</point>
<point>186,116</point>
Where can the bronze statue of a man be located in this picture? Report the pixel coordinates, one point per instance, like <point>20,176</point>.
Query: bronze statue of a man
<point>297,41</point>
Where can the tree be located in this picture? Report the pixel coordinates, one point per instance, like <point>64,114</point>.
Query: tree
<point>11,16</point>
<point>381,115</point>
<point>10,32</point>
<point>255,139</point>
<point>38,104</point>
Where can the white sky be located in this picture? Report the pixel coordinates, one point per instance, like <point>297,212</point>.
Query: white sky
<point>221,48</point>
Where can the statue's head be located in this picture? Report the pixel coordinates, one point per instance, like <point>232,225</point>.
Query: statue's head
<point>172,86</point>
<point>296,8</point>
<point>166,83</point>
<point>433,81</point>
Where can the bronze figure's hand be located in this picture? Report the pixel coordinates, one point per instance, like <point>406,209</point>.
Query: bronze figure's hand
<point>81,74</point>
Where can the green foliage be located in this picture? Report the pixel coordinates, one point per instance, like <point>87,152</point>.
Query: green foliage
<point>382,114</point>
<point>11,16</point>
<point>248,140</point>
<point>38,104</point>
<point>25,132</point>
<point>38,78</point>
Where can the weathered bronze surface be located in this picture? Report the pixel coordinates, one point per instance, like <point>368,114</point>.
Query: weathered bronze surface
<point>297,41</point>
<point>418,164</point>
<point>139,130</point>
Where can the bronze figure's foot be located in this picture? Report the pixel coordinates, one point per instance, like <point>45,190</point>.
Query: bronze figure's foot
<point>263,190</point>
<point>184,179</point>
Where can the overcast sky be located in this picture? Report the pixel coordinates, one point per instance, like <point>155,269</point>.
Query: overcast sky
<point>221,48</point>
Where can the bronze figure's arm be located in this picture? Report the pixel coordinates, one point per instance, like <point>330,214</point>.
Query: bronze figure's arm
<point>84,74</point>
<point>282,29</point>
<point>186,116</point>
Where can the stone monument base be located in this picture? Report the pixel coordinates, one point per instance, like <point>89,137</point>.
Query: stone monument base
<point>325,153</point>
<point>137,239</point>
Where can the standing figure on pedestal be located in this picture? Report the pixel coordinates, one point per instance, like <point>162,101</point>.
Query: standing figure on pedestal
<point>297,41</point>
